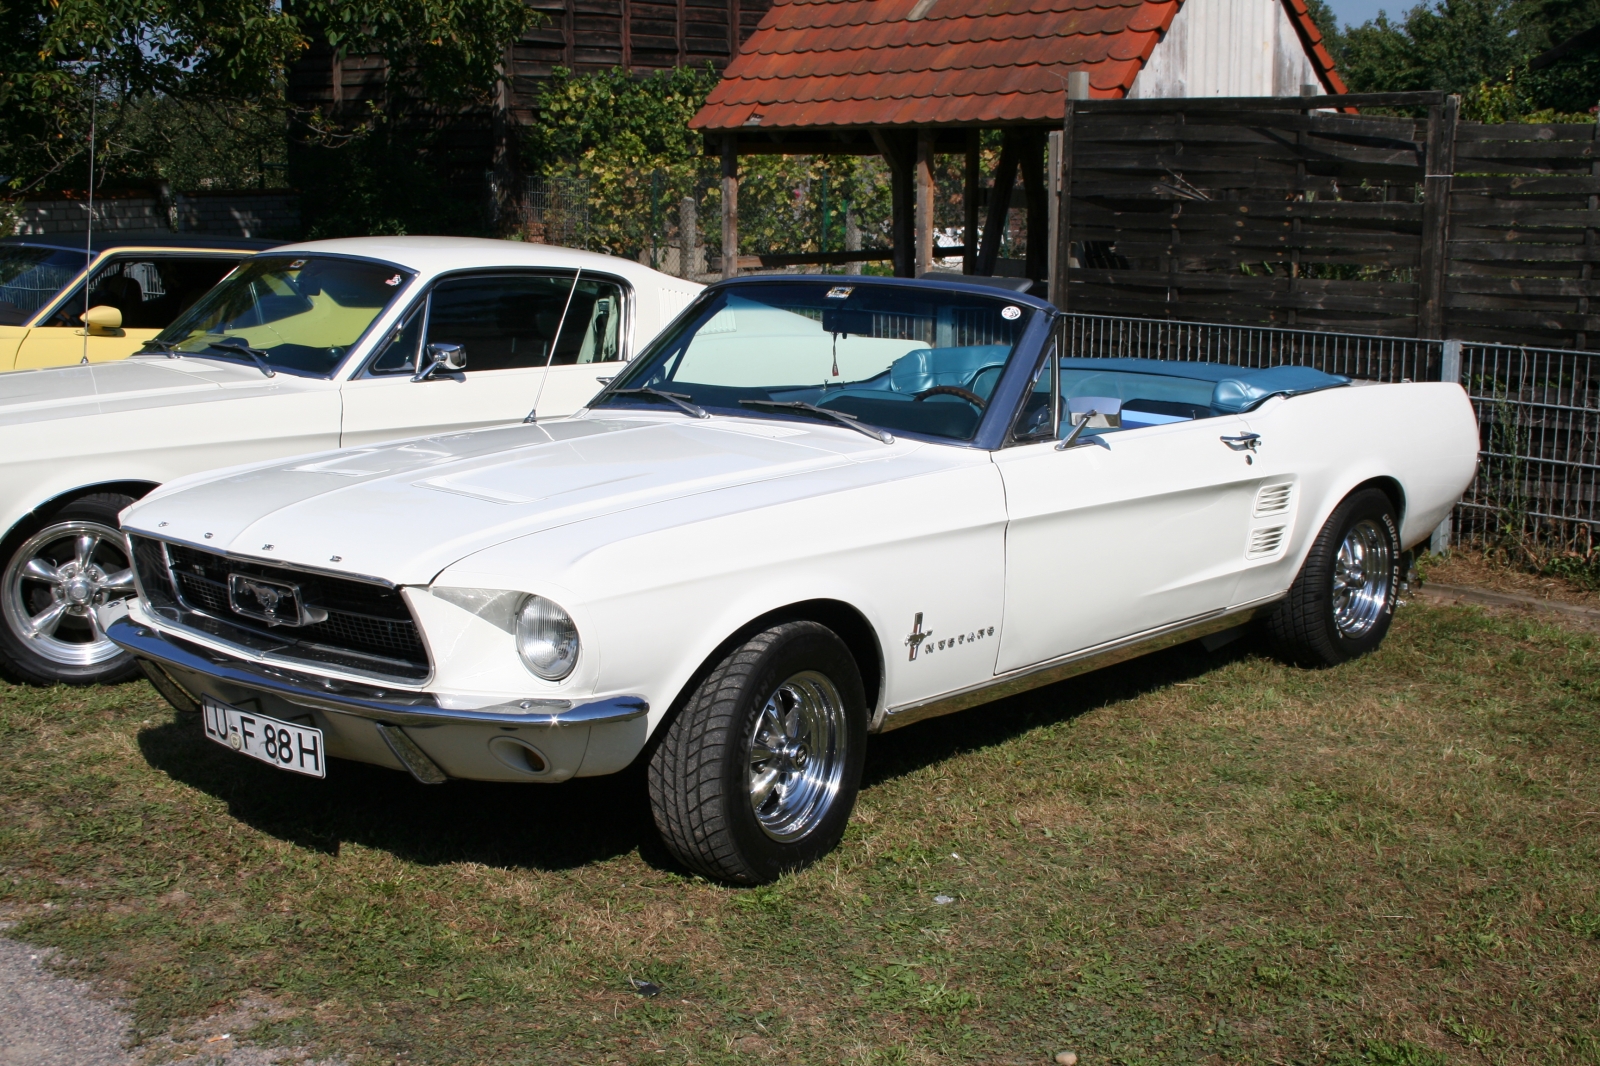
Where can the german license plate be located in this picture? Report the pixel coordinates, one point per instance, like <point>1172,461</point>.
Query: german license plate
<point>287,746</point>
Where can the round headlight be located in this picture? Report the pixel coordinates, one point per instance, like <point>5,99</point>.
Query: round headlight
<point>547,639</point>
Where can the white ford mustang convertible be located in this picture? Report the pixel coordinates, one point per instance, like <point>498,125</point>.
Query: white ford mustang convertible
<point>311,346</point>
<point>813,509</point>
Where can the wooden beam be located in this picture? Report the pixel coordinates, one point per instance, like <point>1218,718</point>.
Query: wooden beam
<point>1434,261</point>
<point>901,157</point>
<point>969,202</point>
<point>1033,186</point>
<point>1063,213</point>
<point>994,226</point>
<point>924,202</point>
<point>730,208</point>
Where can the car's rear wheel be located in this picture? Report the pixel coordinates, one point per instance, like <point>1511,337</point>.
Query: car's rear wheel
<point>759,771</point>
<point>1343,599</point>
<point>59,567</point>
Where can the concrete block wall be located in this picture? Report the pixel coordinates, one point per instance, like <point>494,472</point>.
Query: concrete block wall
<point>228,214</point>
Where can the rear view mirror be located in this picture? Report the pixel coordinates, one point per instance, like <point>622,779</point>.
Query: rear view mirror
<point>839,320</point>
<point>102,318</point>
<point>441,356</point>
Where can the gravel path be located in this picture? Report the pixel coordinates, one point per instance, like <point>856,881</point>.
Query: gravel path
<point>50,1021</point>
<point>46,1020</point>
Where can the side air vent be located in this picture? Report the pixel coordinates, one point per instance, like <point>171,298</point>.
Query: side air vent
<point>1265,541</point>
<point>1273,499</point>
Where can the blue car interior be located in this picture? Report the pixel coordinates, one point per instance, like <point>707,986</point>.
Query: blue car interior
<point>1152,392</point>
<point>891,399</point>
<point>1129,393</point>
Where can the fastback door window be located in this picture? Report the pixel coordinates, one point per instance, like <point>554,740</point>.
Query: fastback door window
<point>593,330</point>
<point>509,321</point>
<point>150,291</point>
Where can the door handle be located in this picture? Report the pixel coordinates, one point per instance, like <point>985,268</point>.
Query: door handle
<point>1243,441</point>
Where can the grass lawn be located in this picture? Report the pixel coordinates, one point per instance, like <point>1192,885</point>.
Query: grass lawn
<point>1186,859</point>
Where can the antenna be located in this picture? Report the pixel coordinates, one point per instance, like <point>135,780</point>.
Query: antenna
<point>533,415</point>
<point>88,228</point>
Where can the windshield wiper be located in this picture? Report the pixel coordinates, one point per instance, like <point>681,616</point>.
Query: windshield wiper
<point>239,347</point>
<point>677,399</point>
<point>166,348</point>
<point>812,409</point>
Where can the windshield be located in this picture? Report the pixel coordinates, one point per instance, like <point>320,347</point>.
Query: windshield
<point>31,278</point>
<point>296,313</point>
<point>896,357</point>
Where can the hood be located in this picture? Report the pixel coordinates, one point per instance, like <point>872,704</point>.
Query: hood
<point>403,512</point>
<point>127,384</point>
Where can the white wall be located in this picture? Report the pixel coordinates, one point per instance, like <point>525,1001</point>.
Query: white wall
<point>1227,48</point>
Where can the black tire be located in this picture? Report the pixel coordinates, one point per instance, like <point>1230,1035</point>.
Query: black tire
<point>1326,620</point>
<point>707,770</point>
<point>51,659</point>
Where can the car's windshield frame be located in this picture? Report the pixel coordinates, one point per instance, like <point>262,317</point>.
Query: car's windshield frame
<point>993,422</point>
<point>398,302</point>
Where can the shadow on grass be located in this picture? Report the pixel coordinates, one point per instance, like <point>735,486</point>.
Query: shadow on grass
<point>937,739</point>
<point>588,820</point>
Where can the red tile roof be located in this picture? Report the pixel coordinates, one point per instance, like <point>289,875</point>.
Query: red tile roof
<point>854,63</point>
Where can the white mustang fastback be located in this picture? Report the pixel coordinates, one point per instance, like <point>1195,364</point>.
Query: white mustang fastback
<point>811,510</point>
<point>309,346</point>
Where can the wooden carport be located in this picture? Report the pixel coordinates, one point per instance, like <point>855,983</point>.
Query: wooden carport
<point>912,79</point>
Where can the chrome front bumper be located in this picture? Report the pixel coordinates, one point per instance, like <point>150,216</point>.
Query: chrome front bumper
<point>397,728</point>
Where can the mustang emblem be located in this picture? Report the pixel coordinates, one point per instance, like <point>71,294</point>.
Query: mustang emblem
<point>917,636</point>
<point>276,603</point>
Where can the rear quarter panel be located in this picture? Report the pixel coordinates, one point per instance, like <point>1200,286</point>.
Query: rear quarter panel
<point>1423,435</point>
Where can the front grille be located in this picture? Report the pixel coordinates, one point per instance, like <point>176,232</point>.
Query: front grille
<point>368,623</point>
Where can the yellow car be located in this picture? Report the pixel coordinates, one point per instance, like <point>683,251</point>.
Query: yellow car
<point>50,315</point>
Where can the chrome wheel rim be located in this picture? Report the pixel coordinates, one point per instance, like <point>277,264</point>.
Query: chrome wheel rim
<point>1362,573</point>
<point>53,584</point>
<point>797,756</point>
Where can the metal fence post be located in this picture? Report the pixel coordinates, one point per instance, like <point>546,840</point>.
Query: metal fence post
<point>1450,361</point>
<point>1449,370</point>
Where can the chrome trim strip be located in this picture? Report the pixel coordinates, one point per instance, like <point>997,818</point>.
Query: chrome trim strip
<point>364,701</point>
<point>256,560</point>
<point>305,667</point>
<point>413,758</point>
<point>1079,662</point>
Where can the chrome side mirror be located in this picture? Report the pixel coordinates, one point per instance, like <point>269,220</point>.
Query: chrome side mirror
<point>442,356</point>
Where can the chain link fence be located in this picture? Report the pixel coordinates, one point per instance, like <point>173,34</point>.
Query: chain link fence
<point>1537,489</point>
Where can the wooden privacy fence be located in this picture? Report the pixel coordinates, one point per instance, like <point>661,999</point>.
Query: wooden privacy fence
<point>1538,480</point>
<point>1280,211</point>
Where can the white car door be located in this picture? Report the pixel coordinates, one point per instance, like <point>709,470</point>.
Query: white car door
<point>507,323</point>
<point>1146,527</point>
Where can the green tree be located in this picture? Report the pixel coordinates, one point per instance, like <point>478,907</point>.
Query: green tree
<point>156,75</point>
<point>1479,48</point>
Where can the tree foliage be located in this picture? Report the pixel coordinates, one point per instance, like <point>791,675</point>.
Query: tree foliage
<point>136,61</point>
<point>1479,48</point>
<point>624,145</point>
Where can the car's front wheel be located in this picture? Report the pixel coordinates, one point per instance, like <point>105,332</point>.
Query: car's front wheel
<point>59,567</point>
<point>1343,600</point>
<point>759,771</point>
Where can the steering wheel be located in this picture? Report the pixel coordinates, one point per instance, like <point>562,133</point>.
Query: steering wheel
<point>953,390</point>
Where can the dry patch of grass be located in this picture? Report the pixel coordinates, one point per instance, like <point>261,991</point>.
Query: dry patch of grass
<point>1189,858</point>
<point>1474,569</point>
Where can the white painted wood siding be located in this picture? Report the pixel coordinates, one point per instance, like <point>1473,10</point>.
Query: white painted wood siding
<point>1227,48</point>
